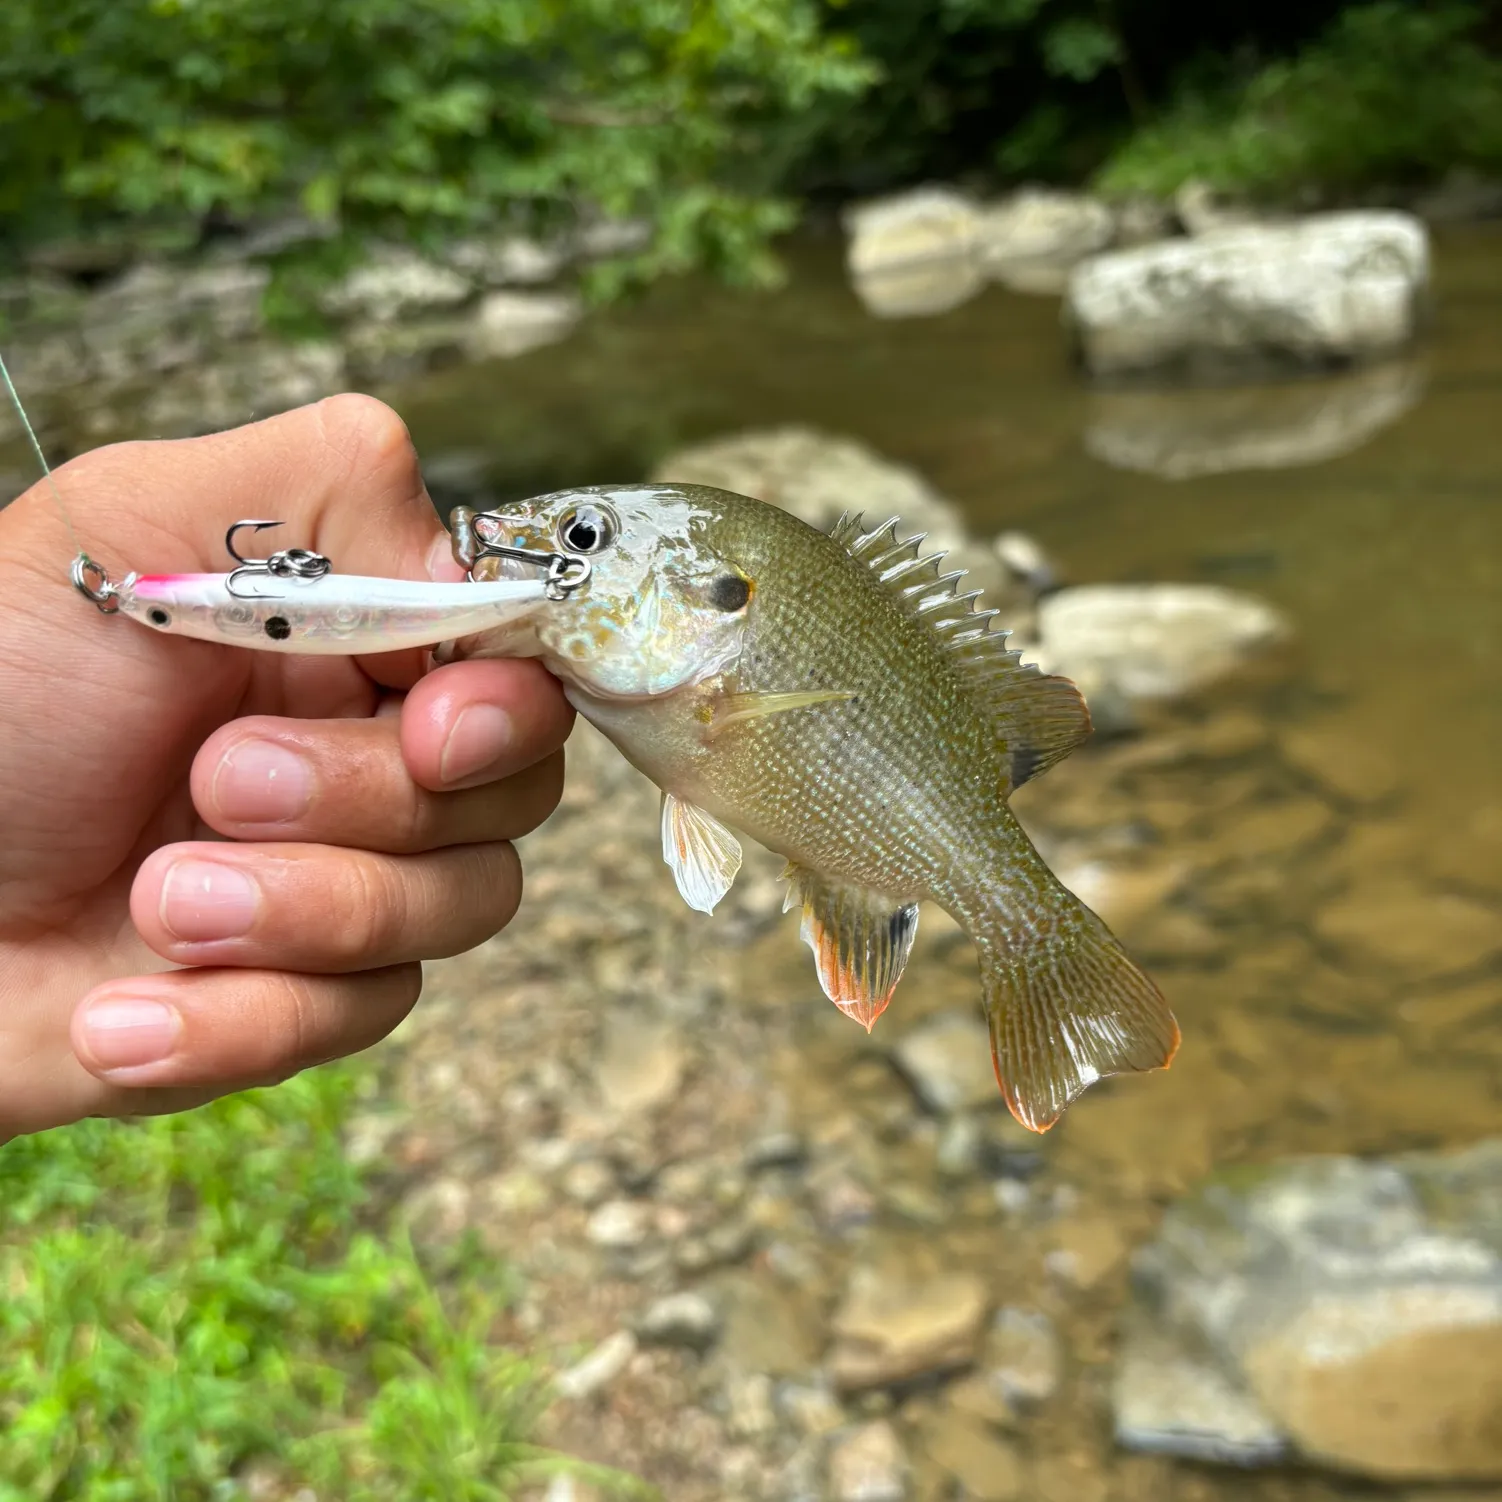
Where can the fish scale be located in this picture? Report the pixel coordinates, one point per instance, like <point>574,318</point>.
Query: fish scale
<point>853,714</point>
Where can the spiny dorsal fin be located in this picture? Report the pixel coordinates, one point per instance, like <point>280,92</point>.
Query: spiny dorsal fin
<point>1042,718</point>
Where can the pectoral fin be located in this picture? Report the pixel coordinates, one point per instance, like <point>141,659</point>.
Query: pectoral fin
<point>861,940</point>
<point>736,709</point>
<point>703,855</point>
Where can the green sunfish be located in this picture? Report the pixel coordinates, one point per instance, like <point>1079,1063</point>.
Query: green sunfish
<point>833,697</point>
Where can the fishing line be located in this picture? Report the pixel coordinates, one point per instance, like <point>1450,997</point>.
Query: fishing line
<point>36,447</point>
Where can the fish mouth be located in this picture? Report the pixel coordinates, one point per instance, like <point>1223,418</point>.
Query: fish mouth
<point>498,530</point>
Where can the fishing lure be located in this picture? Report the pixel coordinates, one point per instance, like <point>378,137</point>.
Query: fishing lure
<point>294,602</point>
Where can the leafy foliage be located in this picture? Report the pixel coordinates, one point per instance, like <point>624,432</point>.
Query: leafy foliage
<point>192,1291</point>
<point>1392,93</point>
<point>409,119</point>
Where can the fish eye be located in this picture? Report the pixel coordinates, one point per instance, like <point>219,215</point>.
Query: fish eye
<point>158,617</point>
<point>729,593</point>
<point>587,529</point>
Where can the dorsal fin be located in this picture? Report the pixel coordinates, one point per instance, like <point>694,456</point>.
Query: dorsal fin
<point>1042,718</point>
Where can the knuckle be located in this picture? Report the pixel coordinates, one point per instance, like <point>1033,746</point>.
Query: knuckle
<point>363,428</point>
<point>370,912</point>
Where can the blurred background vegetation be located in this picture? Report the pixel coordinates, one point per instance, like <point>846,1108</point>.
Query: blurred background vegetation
<point>711,120</point>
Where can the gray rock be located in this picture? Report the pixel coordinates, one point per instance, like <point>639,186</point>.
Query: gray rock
<point>1029,241</point>
<point>868,1465</point>
<point>1209,431</point>
<point>1349,1311</point>
<point>507,324</point>
<point>1151,641</point>
<point>507,261</point>
<point>924,224</point>
<point>680,1319</point>
<point>598,1369</point>
<point>396,283</point>
<point>948,1062</point>
<point>1333,289</point>
<point>890,1328</point>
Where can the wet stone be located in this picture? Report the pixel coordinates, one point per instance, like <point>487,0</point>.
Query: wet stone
<point>1398,923</point>
<point>680,1319</point>
<point>985,1465</point>
<point>889,1329</point>
<point>1023,1357</point>
<point>868,1465</point>
<point>1347,1310</point>
<point>641,1065</point>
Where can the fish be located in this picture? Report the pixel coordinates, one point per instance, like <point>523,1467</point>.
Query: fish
<point>835,697</point>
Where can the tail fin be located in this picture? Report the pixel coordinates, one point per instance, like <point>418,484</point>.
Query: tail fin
<point>1067,1008</point>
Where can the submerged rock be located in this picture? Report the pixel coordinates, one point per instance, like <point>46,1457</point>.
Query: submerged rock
<point>1151,641</point>
<point>1029,242</point>
<point>1346,1311</point>
<point>1218,430</point>
<point>868,1465</point>
<point>890,1329</point>
<point>948,1061</point>
<point>1330,290</point>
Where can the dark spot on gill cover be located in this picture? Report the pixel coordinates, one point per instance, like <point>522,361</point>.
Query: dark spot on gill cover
<point>729,593</point>
<point>278,627</point>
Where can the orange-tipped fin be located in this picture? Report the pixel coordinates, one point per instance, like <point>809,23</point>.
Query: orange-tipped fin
<point>861,940</point>
<point>1067,1007</point>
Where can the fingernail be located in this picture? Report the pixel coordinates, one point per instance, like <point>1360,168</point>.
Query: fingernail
<point>203,900</point>
<point>480,737</point>
<point>259,782</point>
<point>129,1032</point>
<point>443,567</point>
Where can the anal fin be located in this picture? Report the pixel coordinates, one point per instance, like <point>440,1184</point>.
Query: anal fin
<point>703,855</point>
<point>861,940</point>
<point>1067,1007</point>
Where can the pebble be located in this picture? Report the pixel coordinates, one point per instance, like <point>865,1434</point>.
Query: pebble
<point>602,1366</point>
<point>867,1465</point>
<point>748,1402</point>
<point>889,1328</point>
<point>588,1181</point>
<point>776,1150</point>
<point>680,1319</point>
<point>619,1224</point>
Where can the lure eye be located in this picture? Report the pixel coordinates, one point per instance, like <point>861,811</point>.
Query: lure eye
<point>729,593</point>
<point>158,617</point>
<point>587,529</point>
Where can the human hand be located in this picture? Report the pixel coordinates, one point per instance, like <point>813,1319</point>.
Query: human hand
<point>296,833</point>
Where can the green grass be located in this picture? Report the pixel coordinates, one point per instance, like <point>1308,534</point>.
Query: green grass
<point>182,1295</point>
<point>1393,94</point>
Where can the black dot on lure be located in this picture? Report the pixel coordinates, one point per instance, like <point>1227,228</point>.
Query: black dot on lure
<point>158,617</point>
<point>278,627</point>
<point>729,592</point>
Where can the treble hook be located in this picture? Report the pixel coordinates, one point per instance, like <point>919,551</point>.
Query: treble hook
<point>289,563</point>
